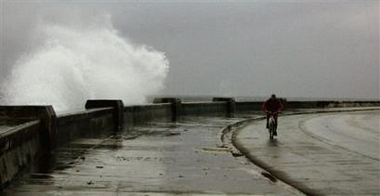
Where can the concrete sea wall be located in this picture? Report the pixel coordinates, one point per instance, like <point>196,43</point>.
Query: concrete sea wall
<point>134,115</point>
<point>27,132</point>
<point>82,124</point>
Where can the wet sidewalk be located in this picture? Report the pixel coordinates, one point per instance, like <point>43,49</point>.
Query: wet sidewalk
<point>320,154</point>
<point>183,158</point>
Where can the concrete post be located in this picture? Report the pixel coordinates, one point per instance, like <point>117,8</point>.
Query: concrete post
<point>231,104</point>
<point>176,106</point>
<point>118,113</point>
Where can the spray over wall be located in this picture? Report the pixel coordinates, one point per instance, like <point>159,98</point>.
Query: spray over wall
<point>74,63</point>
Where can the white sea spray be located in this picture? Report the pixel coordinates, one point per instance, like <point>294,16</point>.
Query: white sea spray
<point>74,64</point>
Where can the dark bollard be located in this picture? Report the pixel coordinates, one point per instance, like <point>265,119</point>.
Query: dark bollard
<point>118,113</point>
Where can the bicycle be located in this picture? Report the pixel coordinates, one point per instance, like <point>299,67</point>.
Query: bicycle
<point>272,126</point>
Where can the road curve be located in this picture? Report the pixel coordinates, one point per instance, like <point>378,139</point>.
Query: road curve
<point>320,154</point>
<point>358,133</point>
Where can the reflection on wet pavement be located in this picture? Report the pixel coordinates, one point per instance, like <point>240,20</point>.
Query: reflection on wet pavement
<point>181,158</point>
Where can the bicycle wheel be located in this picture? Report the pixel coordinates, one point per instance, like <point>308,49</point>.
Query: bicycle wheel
<point>271,128</point>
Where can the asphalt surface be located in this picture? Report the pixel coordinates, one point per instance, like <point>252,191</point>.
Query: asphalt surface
<point>319,154</point>
<point>184,158</point>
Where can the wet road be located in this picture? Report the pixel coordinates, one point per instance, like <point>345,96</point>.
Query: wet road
<point>182,158</point>
<point>358,132</point>
<point>321,154</point>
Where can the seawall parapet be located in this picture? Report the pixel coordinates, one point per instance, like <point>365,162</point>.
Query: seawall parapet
<point>37,130</point>
<point>33,132</point>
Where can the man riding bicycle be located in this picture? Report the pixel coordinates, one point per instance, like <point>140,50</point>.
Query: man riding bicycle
<point>272,106</point>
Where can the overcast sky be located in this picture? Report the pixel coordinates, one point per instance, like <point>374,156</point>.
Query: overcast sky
<point>314,48</point>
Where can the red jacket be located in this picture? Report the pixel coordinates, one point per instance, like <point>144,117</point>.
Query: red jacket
<point>272,105</point>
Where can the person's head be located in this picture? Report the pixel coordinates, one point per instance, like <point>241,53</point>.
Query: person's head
<point>273,96</point>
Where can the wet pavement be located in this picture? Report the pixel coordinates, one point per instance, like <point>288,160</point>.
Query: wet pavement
<point>184,158</point>
<point>320,154</point>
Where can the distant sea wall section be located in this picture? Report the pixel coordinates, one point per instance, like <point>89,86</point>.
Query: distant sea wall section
<point>27,132</point>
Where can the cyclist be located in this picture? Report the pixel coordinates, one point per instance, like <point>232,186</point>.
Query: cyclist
<point>272,106</point>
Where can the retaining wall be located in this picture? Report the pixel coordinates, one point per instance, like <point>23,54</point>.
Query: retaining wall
<point>18,148</point>
<point>32,133</point>
<point>248,106</point>
<point>328,104</point>
<point>134,115</point>
<point>84,124</point>
<point>194,109</point>
<point>39,130</point>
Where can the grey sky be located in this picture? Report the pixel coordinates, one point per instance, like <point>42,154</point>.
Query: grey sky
<point>327,49</point>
